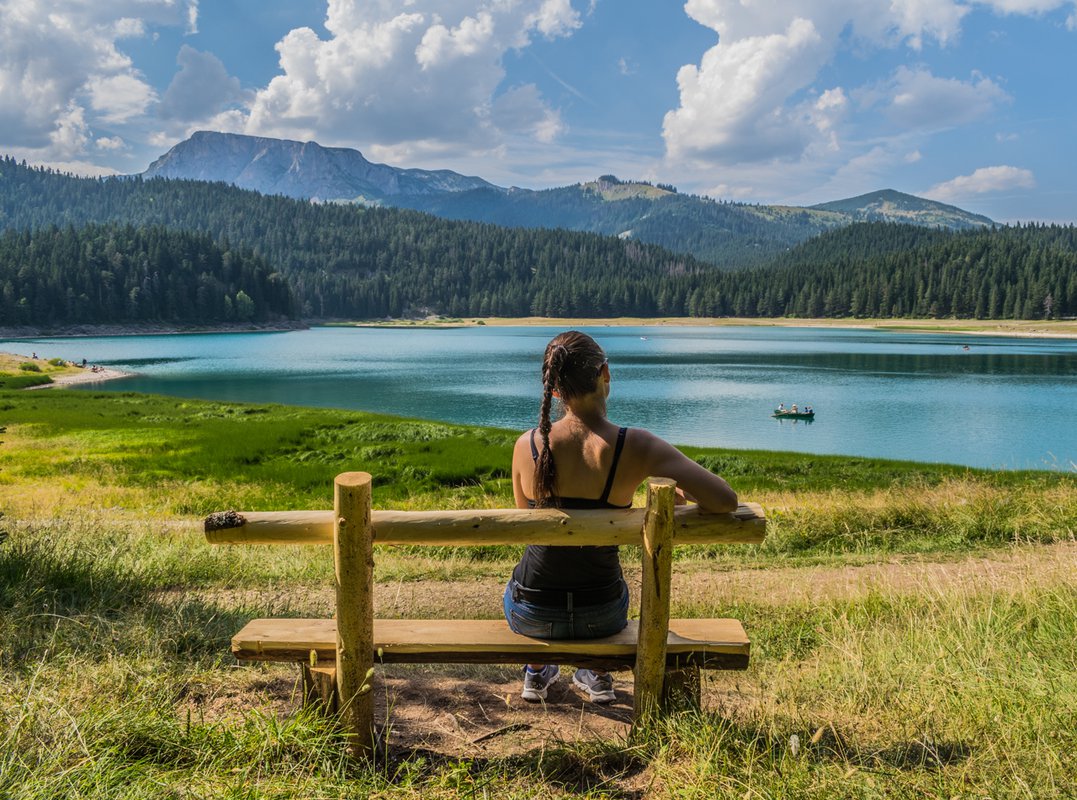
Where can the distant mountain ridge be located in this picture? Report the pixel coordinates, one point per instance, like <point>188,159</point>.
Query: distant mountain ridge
<point>728,234</point>
<point>302,170</point>
<point>888,205</point>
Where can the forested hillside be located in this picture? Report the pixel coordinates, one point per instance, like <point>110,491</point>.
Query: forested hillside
<point>112,273</point>
<point>892,270</point>
<point>348,261</point>
<point>728,235</point>
<point>344,261</point>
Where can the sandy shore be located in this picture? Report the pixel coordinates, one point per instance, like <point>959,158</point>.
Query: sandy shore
<point>68,375</point>
<point>1065,329</point>
<point>84,376</point>
<point>1061,329</point>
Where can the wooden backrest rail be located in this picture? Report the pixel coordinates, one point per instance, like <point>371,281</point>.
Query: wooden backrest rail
<point>746,525</point>
<point>353,528</point>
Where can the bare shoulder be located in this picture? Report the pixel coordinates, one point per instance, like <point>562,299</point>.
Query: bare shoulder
<point>645,442</point>
<point>522,446</point>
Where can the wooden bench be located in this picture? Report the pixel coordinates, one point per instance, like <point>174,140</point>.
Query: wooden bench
<point>338,655</point>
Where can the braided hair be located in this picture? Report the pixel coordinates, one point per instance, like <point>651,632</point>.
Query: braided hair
<point>570,368</point>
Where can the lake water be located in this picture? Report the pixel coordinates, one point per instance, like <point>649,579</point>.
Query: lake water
<point>1003,403</point>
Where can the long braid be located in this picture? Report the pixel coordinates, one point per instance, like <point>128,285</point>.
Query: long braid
<point>545,470</point>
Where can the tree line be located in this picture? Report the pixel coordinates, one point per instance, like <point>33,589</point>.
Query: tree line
<point>113,273</point>
<point>343,261</point>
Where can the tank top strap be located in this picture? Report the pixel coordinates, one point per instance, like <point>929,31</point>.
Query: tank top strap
<point>605,498</point>
<point>534,450</point>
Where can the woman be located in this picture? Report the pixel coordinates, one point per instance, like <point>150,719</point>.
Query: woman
<point>585,461</point>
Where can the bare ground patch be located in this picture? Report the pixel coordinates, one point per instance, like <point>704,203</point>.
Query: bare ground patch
<point>476,711</point>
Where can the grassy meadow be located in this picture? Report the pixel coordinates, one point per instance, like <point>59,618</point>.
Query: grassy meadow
<point>914,626</point>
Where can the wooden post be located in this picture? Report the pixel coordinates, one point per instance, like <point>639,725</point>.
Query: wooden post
<point>654,600</point>
<point>681,688</point>
<point>320,688</point>
<point>354,560</point>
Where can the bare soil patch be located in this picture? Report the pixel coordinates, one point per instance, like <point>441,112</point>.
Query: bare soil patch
<point>472,711</point>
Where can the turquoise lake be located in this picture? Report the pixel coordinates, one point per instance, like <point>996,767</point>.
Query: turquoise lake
<point>1002,403</point>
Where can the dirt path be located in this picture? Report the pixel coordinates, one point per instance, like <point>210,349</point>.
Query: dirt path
<point>475,711</point>
<point>696,585</point>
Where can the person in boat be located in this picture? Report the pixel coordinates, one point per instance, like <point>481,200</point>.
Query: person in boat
<point>793,410</point>
<point>781,407</point>
<point>583,460</point>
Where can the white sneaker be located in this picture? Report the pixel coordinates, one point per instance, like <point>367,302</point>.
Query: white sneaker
<point>536,683</point>
<point>599,686</point>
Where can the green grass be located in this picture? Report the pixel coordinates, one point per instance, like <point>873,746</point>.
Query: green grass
<point>115,617</point>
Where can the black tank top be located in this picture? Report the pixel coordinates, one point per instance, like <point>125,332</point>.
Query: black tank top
<point>567,568</point>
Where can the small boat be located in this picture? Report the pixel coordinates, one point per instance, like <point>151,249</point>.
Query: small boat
<point>783,414</point>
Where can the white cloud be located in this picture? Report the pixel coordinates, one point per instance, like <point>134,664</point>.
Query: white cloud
<point>985,180</point>
<point>913,156</point>
<point>84,169</point>
<point>192,17</point>
<point>756,110</point>
<point>119,98</point>
<point>521,110</point>
<point>1002,138</point>
<point>62,73</point>
<point>732,105</point>
<point>919,99</point>
<point>418,77</point>
<point>746,100</point>
<point>109,143</point>
<point>1025,6</point>
<point>200,89</point>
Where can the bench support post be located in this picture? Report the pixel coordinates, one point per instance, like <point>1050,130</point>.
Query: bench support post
<point>654,601</point>
<point>354,562</point>
<point>681,688</point>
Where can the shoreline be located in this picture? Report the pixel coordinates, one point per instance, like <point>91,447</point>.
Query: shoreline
<point>68,374</point>
<point>85,375</point>
<point>1023,329</point>
<point>28,332</point>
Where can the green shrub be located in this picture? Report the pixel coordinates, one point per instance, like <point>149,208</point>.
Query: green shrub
<point>27,366</point>
<point>57,362</point>
<point>22,381</point>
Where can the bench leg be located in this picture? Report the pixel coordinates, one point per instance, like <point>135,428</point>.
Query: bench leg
<point>320,687</point>
<point>680,689</point>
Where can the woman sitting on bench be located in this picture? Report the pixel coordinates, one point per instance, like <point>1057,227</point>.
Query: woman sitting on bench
<point>585,461</point>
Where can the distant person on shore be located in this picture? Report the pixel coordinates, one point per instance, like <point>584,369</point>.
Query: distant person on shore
<point>585,461</point>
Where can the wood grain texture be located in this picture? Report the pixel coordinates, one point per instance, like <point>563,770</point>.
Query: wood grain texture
<point>708,643</point>
<point>654,598</point>
<point>746,525</point>
<point>354,561</point>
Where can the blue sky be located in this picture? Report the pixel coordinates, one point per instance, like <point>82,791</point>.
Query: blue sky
<point>785,101</point>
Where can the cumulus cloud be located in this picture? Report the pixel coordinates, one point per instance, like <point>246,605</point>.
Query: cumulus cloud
<point>109,143</point>
<point>985,180</point>
<point>415,76</point>
<point>200,89</point>
<point>62,73</point>
<point>754,96</point>
<point>918,99</point>
<point>732,105</point>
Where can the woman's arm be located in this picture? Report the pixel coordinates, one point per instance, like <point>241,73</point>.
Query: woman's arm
<point>663,460</point>
<point>521,462</point>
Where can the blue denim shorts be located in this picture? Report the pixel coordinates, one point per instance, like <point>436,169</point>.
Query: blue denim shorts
<point>583,622</point>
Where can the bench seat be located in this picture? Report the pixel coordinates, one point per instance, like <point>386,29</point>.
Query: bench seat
<point>705,643</point>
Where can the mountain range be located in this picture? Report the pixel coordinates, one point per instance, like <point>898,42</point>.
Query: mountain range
<point>728,234</point>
